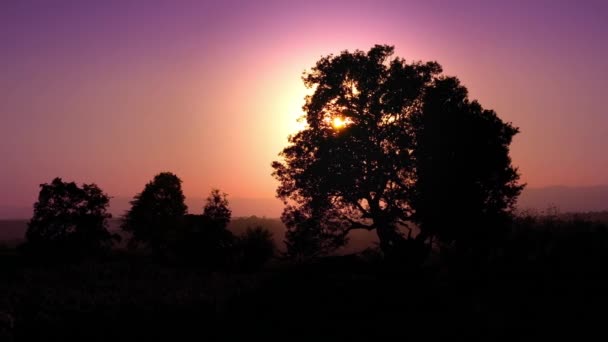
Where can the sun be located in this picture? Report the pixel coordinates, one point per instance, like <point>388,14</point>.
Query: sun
<point>338,122</point>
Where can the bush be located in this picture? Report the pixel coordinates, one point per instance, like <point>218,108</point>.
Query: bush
<point>203,242</point>
<point>255,248</point>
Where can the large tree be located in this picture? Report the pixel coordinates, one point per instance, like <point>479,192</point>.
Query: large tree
<point>157,213</point>
<point>358,164</point>
<point>70,220</point>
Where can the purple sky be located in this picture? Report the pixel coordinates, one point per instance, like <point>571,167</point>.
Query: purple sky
<point>113,92</point>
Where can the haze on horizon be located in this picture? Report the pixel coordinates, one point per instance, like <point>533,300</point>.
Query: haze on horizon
<point>114,92</point>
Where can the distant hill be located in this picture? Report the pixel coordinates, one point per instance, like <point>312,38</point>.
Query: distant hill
<point>565,199</point>
<point>12,232</point>
<point>241,207</point>
<point>240,224</point>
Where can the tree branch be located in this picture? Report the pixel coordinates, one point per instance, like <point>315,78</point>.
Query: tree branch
<point>364,211</point>
<point>358,225</point>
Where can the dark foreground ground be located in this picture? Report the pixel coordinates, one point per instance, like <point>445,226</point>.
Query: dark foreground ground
<point>547,280</point>
<point>340,298</point>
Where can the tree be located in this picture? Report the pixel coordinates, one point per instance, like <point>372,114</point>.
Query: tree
<point>206,238</point>
<point>216,209</point>
<point>157,213</point>
<point>465,186</point>
<point>70,220</point>
<point>216,241</point>
<point>359,162</point>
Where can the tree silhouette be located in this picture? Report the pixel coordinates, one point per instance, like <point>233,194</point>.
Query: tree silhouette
<point>70,220</point>
<point>206,239</point>
<point>310,230</point>
<point>216,209</point>
<point>157,213</point>
<point>465,186</point>
<point>365,159</point>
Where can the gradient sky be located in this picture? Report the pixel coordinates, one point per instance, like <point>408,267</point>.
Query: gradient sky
<point>113,92</point>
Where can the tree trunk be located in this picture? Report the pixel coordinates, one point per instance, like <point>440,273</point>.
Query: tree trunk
<point>388,237</point>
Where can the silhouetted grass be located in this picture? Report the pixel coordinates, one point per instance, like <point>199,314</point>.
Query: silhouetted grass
<point>547,279</point>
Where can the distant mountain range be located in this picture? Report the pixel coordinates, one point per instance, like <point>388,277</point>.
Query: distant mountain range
<point>565,199</point>
<point>241,207</point>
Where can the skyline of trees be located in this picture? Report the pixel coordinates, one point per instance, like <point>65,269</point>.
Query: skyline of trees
<point>389,146</point>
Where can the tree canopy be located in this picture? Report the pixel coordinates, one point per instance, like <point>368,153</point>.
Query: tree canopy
<point>376,152</point>
<point>465,186</point>
<point>70,220</point>
<point>216,209</point>
<point>206,238</point>
<point>157,213</point>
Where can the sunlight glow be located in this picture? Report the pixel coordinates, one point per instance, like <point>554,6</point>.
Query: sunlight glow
<point>338,122</point>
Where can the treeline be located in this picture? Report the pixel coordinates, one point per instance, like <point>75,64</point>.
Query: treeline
<point>70,222</point>
<point>574,246</point>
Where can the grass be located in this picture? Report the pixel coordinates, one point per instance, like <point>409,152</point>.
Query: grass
<point>549,280</point>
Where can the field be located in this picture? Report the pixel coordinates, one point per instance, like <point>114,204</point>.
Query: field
<point>341,298</point>
<point>547,280</point>
<point>12,232</point>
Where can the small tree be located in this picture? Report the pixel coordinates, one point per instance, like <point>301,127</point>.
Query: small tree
<point>206,239</point>
<point>157,213</point>
<point>216,210</point>
<point>70,220</point>
<point>217,239</point>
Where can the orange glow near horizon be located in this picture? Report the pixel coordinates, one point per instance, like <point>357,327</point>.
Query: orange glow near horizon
<point>211,91</point>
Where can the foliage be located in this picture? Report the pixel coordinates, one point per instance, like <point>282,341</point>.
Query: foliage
<point>216,209</point>
<point>157,213</point>
<point>564,245</point>
<point>205,238</point>
<point>69,220</point>
<point>239,226</point>
<point>548,279</point>
<point>373,150</point>
<point>465,187</point>
<point>205,243</point>
<point>255,247</point>
<point>308,234</point>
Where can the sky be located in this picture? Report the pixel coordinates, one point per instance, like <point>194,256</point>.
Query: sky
<point>113,92</point>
